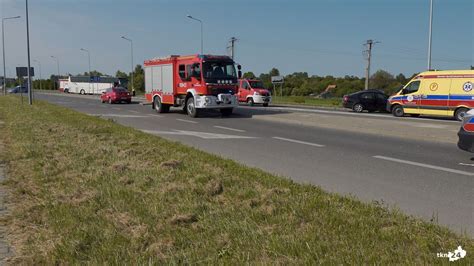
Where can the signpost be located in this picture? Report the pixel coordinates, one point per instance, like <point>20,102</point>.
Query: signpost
<point>278,80</point>
<point>22,72</point>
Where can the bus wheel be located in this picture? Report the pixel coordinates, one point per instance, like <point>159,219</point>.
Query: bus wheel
<point>82,92</point>
<point>397,111</point>
<point>460,114</point>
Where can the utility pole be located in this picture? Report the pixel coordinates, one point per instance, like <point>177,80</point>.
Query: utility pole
<point>429,36</point>
<point>202,31</point>
<point>369,44</point>
<point>131,53</point>
<point>232,47</point>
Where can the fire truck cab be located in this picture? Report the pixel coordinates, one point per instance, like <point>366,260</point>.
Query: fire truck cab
<point>193,82</point>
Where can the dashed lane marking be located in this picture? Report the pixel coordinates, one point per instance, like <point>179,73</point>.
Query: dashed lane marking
<point>300,142</point>
<point>231,129</point>
<point>434,167</point>
<point>202,135</point>
<point>187,121</point>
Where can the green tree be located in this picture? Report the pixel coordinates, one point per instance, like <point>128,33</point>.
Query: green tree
<point>381,80</point>
<point>248,75</point>
<point>93,73</point>
<point>139,78</point>
<point>120,74</point>
<point>274,72</point>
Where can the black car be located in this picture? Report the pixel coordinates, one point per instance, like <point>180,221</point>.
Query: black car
<point>370,100</point>
<point>466,133</point>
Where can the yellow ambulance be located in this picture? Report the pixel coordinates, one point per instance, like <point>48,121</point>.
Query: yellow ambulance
<point>435,93</point>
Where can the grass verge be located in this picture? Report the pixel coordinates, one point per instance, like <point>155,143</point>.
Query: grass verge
<point>87,190</point>
<point>308,101</point>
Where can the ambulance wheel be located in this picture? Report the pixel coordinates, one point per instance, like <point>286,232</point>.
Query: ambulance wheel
<point>460,114</point>
<point>83,92</point>
<point>397,111</point>
<point>191,108</point>
<point>159,107</point>
<point>265,105</point>
<point>250,101</point>
<point>358,108</point>
<point>226,111</point>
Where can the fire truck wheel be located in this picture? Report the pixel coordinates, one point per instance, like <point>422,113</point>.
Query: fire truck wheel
<point>110,101</point>
<point>226,111</point>
<point>250,101</point>
<point>190,108</point>
<point>159,107</point>
<point>265,105</point>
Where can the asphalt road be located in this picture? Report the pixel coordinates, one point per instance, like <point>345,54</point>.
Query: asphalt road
<point>428,179</point>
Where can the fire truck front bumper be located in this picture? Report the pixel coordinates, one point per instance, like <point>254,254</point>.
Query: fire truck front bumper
<point>216,102</point>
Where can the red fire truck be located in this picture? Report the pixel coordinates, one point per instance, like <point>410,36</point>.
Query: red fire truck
<point>194,82</point>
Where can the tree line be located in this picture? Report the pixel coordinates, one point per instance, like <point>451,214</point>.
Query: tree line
<point>302,84</point>
<point>296,84</point>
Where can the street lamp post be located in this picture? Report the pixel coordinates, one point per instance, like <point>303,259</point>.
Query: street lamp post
<point>430,36</point>
<point>57,64</point>
<point>90,74</point>
<point>202,39</point>
<point>30,90</point>
<point>39,64</point>
<point>3,45</point>
<point>131,52</point>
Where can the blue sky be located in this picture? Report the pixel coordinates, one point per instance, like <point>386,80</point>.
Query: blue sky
<point>321,37</point>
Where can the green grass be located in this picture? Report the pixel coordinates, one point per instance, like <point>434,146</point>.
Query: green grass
<point>87,190</point>
<point>306,100</point>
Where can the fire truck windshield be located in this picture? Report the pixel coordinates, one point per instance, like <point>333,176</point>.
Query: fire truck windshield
<point>219,70</point>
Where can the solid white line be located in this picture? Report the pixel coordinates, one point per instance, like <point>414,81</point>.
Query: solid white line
<point>449,170</point>
<point>300,142</point>
<point>187,121</point>
<point>118,109</point>
<point>231,129</point>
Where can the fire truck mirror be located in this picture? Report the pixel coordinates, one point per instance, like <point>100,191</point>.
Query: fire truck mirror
<point>239,74</point>
<point>239,67</point>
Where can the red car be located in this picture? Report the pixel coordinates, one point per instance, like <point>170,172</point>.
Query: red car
<point>116,95</point>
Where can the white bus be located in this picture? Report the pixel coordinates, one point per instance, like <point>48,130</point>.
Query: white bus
<point>89,85</point>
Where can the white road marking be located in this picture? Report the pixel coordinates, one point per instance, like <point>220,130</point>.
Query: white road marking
<point>187,121</point>
<point>231,129</point>
<point>467,164</point>
<point>135,112</point>
<point>300,142</point>
<point>117,115</point>
<point>118,109</point>
<point>203,135</point>
<point>449,170</point>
